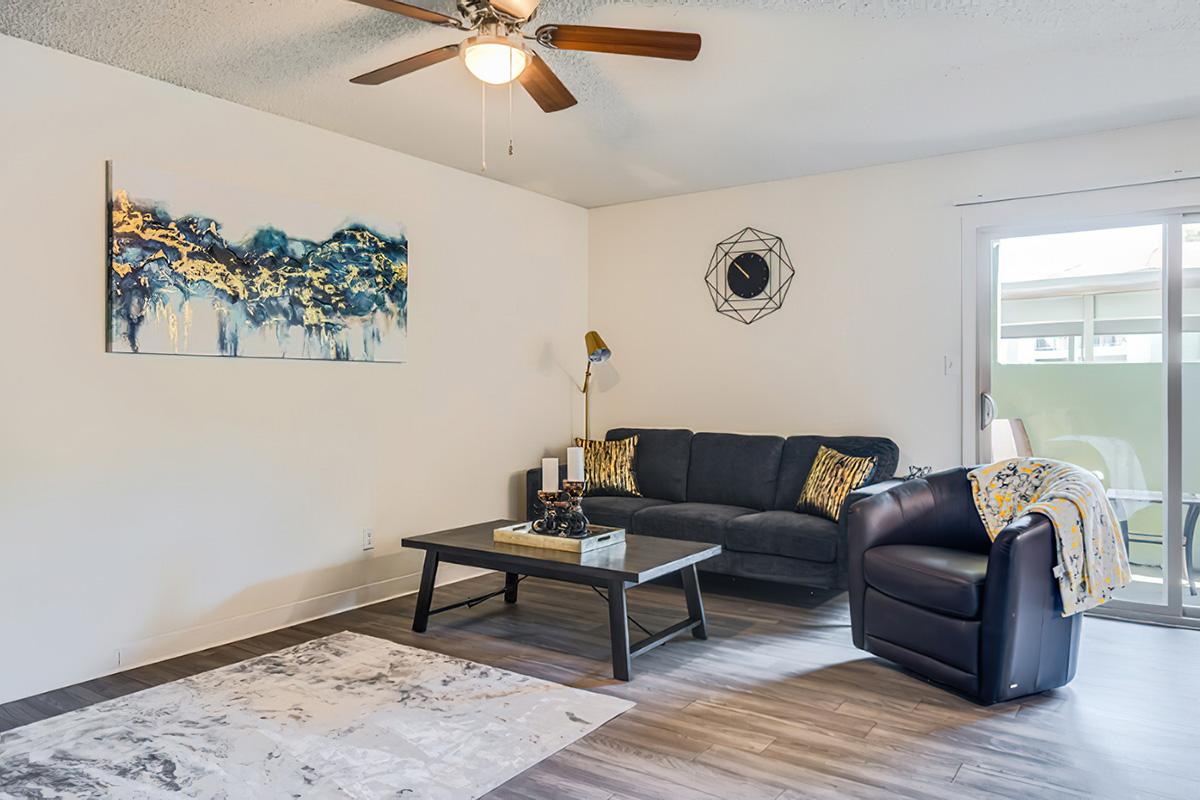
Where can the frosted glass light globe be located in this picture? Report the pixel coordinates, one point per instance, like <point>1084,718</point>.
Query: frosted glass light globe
<point>494,59</point>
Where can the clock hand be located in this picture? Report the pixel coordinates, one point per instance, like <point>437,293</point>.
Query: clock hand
<point>742,270</point>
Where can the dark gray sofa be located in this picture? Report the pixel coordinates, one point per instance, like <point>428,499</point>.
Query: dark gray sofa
<point>738,491</point>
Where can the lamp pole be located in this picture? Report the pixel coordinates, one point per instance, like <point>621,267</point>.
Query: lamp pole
<point>587,403</point>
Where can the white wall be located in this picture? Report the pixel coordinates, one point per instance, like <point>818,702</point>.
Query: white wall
<point>155,504</point>
<point>876,304</point>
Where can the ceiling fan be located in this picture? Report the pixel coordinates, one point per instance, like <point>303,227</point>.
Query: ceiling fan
<point>497,53</point>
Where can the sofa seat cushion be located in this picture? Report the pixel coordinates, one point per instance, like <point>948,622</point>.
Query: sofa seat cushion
<point>937,578</point>
<point>784,533</point>
<point>696,522</point>
<point>616,512</point>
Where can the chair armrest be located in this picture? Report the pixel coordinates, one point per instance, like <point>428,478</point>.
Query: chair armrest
<point>892,512</point>
<point>533,483</point>
<point>1022,613</point>
<point>864,492</point>
<point>859,494</point>
<point>898,512</point>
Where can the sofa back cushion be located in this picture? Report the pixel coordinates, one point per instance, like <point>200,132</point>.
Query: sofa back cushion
<point>660,461</point>
<point>734,469</point>
<point>799,452</point>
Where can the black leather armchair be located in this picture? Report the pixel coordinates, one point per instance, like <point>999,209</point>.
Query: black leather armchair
<point>929,591</point>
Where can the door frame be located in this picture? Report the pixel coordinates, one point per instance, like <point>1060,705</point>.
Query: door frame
<point>979,321</point>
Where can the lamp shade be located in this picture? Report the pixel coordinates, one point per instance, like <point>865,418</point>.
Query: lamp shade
<point>597,350</point>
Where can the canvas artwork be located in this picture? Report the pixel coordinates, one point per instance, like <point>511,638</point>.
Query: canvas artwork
<point>199,268</point>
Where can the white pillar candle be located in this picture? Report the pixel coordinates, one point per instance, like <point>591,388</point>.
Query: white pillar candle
<point>575,463</point>
<point>549,474</point>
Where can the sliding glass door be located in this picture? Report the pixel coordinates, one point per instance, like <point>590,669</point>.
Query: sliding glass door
<point>1190,381</point>
<point>1090,352</point>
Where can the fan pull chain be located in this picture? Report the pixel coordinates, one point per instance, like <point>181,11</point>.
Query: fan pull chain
<point>483,127</point>
<point>510,92</point>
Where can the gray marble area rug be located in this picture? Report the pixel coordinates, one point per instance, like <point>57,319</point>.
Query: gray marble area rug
<point>344,716</point>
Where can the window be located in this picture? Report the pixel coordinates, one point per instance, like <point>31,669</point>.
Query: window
<point>1081,297</point>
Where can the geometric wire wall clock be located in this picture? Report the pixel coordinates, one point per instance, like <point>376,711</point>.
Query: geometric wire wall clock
<point>749,275</point>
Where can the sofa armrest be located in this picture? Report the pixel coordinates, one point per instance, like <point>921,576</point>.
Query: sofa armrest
<point>533,482</point>
<point>1022,614</point>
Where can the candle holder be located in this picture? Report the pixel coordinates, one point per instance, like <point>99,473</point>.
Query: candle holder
<point>576,521</point>
<point>562,512</point>
<point>551,502</point>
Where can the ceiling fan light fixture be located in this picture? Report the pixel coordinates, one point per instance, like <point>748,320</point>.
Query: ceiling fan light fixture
<point>494,59</point>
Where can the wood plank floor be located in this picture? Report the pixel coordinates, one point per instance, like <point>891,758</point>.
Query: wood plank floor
<point>778,705</point>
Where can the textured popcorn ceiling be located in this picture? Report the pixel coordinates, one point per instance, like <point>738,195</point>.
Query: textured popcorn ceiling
<point>781,88</point>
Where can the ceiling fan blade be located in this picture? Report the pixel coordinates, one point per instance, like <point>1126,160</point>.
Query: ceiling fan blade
<point>544,86</point>
<point>384,74</point>
<point>626,41</point>
<point>520,9</point>
<point>416,12</point>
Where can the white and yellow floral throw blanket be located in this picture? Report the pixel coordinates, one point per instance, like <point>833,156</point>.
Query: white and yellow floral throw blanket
<point>1092,563</point>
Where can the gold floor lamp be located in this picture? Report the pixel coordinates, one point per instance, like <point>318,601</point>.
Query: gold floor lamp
<point>598,353</point>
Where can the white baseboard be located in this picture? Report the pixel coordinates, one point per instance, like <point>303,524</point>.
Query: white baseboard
<point>202,637</point>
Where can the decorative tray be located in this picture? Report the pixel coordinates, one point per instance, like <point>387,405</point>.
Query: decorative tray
<point>598,536</point>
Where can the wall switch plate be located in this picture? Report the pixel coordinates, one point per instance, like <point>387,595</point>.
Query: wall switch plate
<point>949,365</point>
<point>368,536</point>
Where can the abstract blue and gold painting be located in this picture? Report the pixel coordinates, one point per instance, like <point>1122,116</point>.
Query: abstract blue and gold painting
<point>201,269</point>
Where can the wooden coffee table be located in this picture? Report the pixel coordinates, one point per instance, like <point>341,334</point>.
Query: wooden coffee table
<point>615,569</point>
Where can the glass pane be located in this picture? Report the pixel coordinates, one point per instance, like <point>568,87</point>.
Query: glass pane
<point>1134,348</point>
<point>1041,349</point>
<point>1191,406</point>
<point>1078,362</point>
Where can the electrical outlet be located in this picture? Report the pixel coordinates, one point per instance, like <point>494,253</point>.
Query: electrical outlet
<point>117,653</point>
<point>368,539</point>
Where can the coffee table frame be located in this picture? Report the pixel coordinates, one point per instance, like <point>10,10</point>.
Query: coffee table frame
<point>639,560</point>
